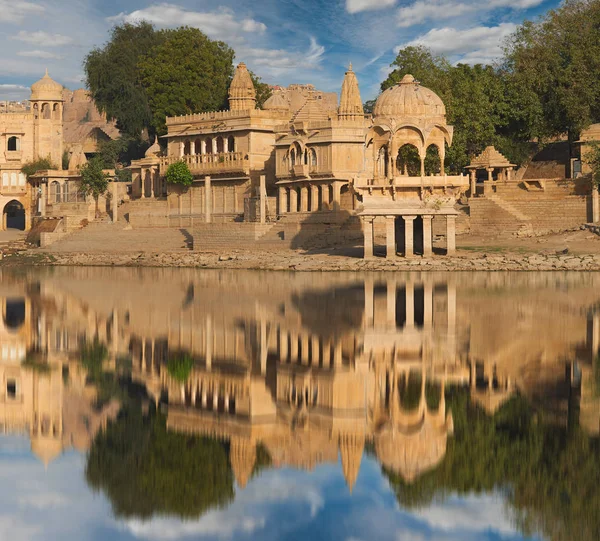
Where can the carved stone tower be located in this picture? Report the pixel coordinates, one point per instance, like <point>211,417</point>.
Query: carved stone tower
<point>242,94</point>
<point>350,102</point>
<point>47,107</point>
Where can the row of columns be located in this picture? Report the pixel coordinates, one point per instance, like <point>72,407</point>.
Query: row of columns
<point>291,195</point>
<point>368,231</point>
<point>295,348</point>
<point>203,147</point>
<point>199,395</point>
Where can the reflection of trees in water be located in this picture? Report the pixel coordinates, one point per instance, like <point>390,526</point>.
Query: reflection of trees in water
<point>332,312</point>
<point>146,470</point>
<point>551,473</point>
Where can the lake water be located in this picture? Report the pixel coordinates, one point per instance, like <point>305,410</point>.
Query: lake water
<point>171,404</point>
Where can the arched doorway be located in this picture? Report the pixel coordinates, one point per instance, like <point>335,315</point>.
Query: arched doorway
<point>13,216</point>
<point>14,314</point>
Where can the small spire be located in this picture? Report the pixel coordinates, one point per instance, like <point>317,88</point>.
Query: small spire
<point>47,75</point>
<point>350,67</point>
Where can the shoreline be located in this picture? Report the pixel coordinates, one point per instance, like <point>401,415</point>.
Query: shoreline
<point>299,261</point>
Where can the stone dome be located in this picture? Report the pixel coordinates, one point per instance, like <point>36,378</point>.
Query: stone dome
<point>276,102</point>
<point>409,99</point>
<point>47,89</point>
<point>154,149</point>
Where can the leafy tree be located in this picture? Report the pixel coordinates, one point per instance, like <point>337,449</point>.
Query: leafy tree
<point>112,76</point>
<point>556,60</point>
<point>186,72</point>
<point>263,90</point>
<point>94,181</point>
<point>368,106</point>
<point>146,470</point>
<point>41,164</point>
<point>179,173</point>
<point>65,160</point>
<point>592,158</point>
<point>179,367</point>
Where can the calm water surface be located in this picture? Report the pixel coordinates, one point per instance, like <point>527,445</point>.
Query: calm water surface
<point>169,404</point>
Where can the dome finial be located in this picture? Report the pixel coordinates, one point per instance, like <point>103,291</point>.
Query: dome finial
<point>350,67</point>
<point>47,74</point>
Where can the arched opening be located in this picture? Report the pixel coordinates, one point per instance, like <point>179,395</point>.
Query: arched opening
<point>433,161</point>
<point>198,146</point>
<point>209,146</point>
<point>220,145</point>
<point>14,144</point>
<point>305,156</point>
<point>46,111</point>
<point>292,157</point>
<point>186,148</point>
<point>231,143</point>
<point>313,157</point>
<point>36,111</point>
<point>55,192</point>
<point>14,314</point>
<point>14,215</point>
<point>382,162</point>
<point>408,162</point>
<point>56,111</point>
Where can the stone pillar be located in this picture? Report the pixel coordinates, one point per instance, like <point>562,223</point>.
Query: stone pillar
<point>595,205</point>
<point>152,180</point>
<point>427,236</point>
<point>207,200</point>
<point>181,149</point>
<point>369,302</point>
<point>337,354</point>
<point>428,305</point>
<point>208,337</point>
<point>509,173</point>
<point>225,144</point>
<point>450,234</point>
<point>390,237</point>
<point>473,179</point>
<point>410,304</point>
<point>264,346</point>
<point>142,184</point>
<point>203,147</point>
<point>293,347</point>
<point>391,303</point>
<point>324,196</point>
<point>304,342</point>
<point>314,199</point>
<point>409,222</point>
<point>293,199</point>
<point>490,172</point>
<point>422,166</point>
<point>337,193</point>
<point>214,145</point>
<point>282,200</point>
<point>192,148</point>
<point>283,345</point>
<point>304,198</point>
<point>368,236</point>
<point>44,198</point>
<point>315,351</point>
<point>326,353</point>
<point>263,198</point>
<point>115,200</point>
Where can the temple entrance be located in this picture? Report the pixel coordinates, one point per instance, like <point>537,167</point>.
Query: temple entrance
<point>13,216</point>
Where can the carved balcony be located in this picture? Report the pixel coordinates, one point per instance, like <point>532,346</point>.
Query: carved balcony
<point>207,164</point>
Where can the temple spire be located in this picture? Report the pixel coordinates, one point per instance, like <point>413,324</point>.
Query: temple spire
<point>242,94</point>
<point>351,450</point>
<point>350,101</point>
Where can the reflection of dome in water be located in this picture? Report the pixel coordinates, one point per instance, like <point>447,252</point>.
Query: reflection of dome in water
<point>242,455</point>
<point>46,449</point>
<point>409,99</point>
<point>351,450</point>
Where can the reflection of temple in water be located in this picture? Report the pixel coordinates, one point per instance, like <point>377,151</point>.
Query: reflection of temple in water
<point>312,367</point>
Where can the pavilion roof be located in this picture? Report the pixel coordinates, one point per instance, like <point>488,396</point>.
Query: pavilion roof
<point>490,157</point>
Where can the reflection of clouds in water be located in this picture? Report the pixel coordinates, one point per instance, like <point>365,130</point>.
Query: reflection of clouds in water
<point>17,529</point>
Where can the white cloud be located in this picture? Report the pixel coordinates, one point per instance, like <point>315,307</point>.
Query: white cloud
<point>436,10</point>
<point>17,529</point>
<point>221,24</point>
<point>39,54</point>
<point>43,38</point>
<point>16,11</point>
<point>43,500</point>
<point>481,44</point>
<point>355,6</point>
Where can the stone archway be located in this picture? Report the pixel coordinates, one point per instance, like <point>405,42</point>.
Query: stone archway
<point>13,216</point>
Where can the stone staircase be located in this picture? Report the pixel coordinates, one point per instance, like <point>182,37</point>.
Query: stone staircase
<point>228,235</point>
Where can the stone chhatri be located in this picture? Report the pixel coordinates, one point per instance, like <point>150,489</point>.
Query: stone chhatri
<point>242,94</point>
<point>490,157</point>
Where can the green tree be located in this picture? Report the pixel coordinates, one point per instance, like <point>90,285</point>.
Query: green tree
<point>179,173</point>
<point>592,158</point>
<point>146,470</point>
<point>112,76</point>
<point>179,367</point>
<point>185,73</point>
<point>41,164</point>
<point>94,181</point>
<point>555,64</point>
<point>263,90</point>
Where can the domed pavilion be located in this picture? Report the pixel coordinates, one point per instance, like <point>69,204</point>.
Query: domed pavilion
<point>409,134</point>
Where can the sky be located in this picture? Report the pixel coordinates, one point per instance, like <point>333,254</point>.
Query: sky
<point>283,41</point>
<point>37,504</point>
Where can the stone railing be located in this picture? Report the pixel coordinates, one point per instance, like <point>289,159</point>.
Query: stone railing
<point>223,162</point>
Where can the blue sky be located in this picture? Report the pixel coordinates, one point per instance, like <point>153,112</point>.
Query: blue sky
<point>284,41</point>
<point>38,505</point>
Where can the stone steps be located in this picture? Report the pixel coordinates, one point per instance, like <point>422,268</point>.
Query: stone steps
<point>228,235</point>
